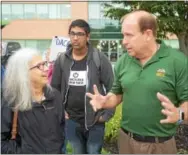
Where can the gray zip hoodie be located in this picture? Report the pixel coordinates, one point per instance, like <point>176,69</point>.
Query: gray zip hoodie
<point>60,77</point>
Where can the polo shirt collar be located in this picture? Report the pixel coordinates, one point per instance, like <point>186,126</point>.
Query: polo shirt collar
<point>163,50</point>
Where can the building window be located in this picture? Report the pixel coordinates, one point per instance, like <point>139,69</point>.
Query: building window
<point>42,11</point>
<point>58,11</point>
<point>65,8</point>
<point>42,45</point>
<point>31,44</point>
<point>111,48</point>
<point>29,11</point>
<point>22,43</point>
<point>97,18</point>
<point>6,11</point>
<point>53,11</point>
<point>94,10</point>
<point>17,11</point>
<point>32,11</point>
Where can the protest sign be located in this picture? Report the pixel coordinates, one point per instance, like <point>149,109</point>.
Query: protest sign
<point>58,45</point>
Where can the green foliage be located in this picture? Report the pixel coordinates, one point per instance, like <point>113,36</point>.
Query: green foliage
<point>182,151</point>
<point>172,16</point>
<point>105,151</point>
<point>4,22</point>
<point>69,148</point>
<point>112,127</point>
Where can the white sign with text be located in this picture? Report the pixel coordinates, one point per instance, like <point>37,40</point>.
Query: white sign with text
<point>58,45</point>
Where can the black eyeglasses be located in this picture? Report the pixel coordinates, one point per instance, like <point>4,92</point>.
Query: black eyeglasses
<point>41,65</point>
<point>78,34</point>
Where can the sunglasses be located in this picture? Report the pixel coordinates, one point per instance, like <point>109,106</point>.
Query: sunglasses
<point>41,65</point>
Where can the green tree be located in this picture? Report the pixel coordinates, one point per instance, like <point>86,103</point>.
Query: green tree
<point>172,16</point>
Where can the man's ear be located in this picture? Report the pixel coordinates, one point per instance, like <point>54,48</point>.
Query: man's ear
<point>149,34</point>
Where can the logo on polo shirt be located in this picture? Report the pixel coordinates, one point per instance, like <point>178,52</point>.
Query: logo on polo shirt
<point>160,72</point>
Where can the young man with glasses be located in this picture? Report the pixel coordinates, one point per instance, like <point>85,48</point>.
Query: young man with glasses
<point>73,78</point>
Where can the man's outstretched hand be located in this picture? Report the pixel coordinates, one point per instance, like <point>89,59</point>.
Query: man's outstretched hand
<point>97,100</point>
<point>171,112</point>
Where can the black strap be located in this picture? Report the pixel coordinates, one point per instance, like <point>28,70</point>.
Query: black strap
<point>14,125</point>
<point>96,58</point>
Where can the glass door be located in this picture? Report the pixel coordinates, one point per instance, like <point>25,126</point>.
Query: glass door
<point>111,48</point>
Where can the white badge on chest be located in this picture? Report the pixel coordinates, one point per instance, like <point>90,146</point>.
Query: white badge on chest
<point>77,78</point>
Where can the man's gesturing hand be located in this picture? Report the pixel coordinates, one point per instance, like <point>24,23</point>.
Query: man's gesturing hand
<point>171,112</point>
<point>97,100</point>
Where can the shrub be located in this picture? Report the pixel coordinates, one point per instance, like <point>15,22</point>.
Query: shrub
<point>112,127</point>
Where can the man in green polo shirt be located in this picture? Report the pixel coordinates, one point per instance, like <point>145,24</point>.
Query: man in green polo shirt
<point>151,80</point>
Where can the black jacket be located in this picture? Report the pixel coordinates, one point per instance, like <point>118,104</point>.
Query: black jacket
<point>40,130</point>
<point>104,78</point>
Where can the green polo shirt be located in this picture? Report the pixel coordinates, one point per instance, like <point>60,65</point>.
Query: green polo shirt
<point>166,72</point>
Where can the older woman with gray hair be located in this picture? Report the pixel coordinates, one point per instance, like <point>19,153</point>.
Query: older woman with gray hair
<point>39,108</point>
